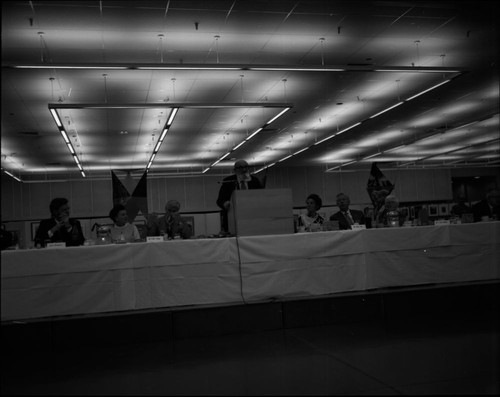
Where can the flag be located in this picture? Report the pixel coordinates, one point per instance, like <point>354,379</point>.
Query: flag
<point>120,192</point>
<point>134,203</point>
<point>139,199</point>
<point>378,186</point>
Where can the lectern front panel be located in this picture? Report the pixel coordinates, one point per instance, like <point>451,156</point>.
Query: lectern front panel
<point>261,212</point>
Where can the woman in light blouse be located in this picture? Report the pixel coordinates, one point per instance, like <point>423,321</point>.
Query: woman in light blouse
<point>122,231</point>
<point>311,220</point>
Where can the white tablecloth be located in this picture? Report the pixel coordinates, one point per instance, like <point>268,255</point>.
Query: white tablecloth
<point>97,279</point>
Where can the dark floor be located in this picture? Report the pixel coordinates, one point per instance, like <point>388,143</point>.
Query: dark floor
<point>362,358</point>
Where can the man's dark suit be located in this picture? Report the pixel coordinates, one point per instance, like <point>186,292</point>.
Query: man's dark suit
<point>73,238</point>
<point>229,185</point>
<point>357,216</point>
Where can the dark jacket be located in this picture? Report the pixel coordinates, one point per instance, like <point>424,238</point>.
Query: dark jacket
<point>357,216</point>
<point>72,238</point>
<point>483,209</point>
<point>229,185</point>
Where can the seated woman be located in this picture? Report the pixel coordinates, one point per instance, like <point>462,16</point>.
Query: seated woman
<point>60,227</point>
<point>390,208</point>
<point>172,223</point>
<point>122,231</point>
<point>311,220</point>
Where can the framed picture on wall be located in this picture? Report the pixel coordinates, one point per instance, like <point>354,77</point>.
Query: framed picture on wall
<point>433,210</point>
<point>34,228</point>
<point>444,209</point>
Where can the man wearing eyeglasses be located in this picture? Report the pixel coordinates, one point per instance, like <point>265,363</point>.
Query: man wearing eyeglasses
<point>240,180</point>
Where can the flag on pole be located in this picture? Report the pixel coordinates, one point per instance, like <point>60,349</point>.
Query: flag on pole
<point>378,187</point>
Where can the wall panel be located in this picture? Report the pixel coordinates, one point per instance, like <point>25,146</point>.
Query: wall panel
<point>194,194</point>
<point>176,190</point>
<point>60,189</point>
<point>212,186</point>
<point>40,197</point>
<point>81,198</point>
<point>7,194</point>
<point>406,186</point>
<point>299,185</point>
<point>332,187</point>
<point>425,185</point>
<point>442,185</point>
<point>157,195</point>
<point>102,197</point>
<point>315,183</point>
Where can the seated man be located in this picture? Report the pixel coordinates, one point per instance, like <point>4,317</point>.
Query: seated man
<point>172,224</point>
<point>60,227</point>
<point>346,216</point>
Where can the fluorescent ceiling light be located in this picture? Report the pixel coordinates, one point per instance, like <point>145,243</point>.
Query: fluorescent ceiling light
<point>72,151</point>
<point>162,136</point>
<point>372,155</point>
<point>427,90</point>
<point>337,133</point>
<point>394,148</point>
<point>342,165</point>
<point>285,158</point>
<point>253,134</point>
<point>278,115</point>
<point>386,110</point>
<point>418,70</point>
<point>240,144</point>
<point>301,150</point>
<point>288,107</point>
<point>65,136</point>
<point>220,66</point>
<point>169,122</point>
<point>12,175</point>
<point>171,117</point>
<point>56,117</point>
<point>157,147</point>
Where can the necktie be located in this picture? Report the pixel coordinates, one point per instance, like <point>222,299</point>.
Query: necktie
<point>349,218</point>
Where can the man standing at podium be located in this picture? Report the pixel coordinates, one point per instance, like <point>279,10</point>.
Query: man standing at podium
<point>240,180</point>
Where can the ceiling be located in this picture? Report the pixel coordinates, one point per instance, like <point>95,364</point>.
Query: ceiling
<point>114,70</point>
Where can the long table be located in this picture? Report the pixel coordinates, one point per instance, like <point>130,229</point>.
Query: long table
<point>40,283</point>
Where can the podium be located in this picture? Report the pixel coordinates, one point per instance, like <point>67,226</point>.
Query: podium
<point>260,212</point>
